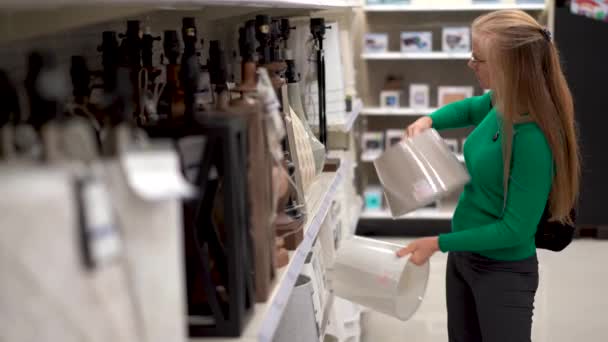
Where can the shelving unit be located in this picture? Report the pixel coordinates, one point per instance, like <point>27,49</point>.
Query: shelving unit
<point>435,68</point>
<point>403,111</point>
<point>435,55</point>
<point>33,18</point>
<point>425,213</point>
<point>267,315</point>
<point>370,158</point>
<point>46,21</point>
<point>452,8</point>
<point>347,123</point>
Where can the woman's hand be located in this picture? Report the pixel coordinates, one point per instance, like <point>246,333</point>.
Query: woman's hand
<point>421,250</point>
<point>419,126</point>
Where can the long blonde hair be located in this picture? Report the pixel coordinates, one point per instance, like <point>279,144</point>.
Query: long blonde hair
<point>527,77</point>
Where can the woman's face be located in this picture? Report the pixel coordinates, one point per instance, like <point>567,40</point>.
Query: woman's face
<point>479,64</point>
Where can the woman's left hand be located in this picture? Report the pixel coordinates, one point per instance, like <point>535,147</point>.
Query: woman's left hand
<point>421,250</point>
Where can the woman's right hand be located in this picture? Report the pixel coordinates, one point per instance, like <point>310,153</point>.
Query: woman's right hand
<point>419,126</point>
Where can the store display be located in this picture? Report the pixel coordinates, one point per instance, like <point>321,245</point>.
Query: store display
<point>419,96</point>
<point>376,42</point>
<point>393,136</point>
<point>373,198</point>
<point>416,41</point>
<point>372,145</point>
<point>368,273</point>
<point>456,39</point>
<point>390,98</point>
<point>449,94</point>
<point>183,187</point>
<point>419,171</point>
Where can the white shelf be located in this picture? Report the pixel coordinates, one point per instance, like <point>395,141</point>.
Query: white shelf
<point>456,8</point>
<point>25,19</point>
<point>369,158</point>
<point>349,120</point>
<point>403,111</point>
<point>420,214</point>
<point>267,315</point>
<point>433,55</point>
<point>304,4</point>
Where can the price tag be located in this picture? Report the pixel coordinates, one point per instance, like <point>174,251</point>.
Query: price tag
<point>101,240</point>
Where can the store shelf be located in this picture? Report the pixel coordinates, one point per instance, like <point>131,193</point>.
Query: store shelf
<point>46,4</point>
<point>346,124</point>
<point>403,111</point>
<point>369,158</point>
<point>267,315</point>
<point>434,55</point>
<point>25,19</point>
<point>420,214</point>
<point>452,8</point>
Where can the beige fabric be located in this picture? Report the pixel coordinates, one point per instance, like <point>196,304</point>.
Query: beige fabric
<point>152,233</point>
<point>46,293</point>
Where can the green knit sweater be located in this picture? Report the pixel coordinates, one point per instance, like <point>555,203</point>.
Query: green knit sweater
<point>479,224</point>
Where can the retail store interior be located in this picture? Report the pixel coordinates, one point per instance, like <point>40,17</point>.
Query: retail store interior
<point>237,170</point>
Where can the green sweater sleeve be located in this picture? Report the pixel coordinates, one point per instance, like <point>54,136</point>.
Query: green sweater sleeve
<point>468,112</point>
<point>528,191</point>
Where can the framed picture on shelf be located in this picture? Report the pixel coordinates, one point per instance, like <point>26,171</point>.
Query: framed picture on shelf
<point>419,95</point>
<point>394,136</point>
<point>452,145</point>
<point>447,95</point>
<point>390,98</point>
<point>416,41</point>
<point>376,42</point>
<point>456,39</point>
<point>373,145</point>
<point>373,198</point>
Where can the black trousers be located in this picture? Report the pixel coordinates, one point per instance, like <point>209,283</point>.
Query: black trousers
<point>490,300</point>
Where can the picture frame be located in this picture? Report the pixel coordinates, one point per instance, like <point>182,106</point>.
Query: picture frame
<point>393,136</point>
<point>450,94</point>
<point>419,95</point>
<point>456,39</point>
<point>372,145</point>
<point>421,41</point>
<point>373,197</point>
<point>375,42</point>
<point>390,99</point>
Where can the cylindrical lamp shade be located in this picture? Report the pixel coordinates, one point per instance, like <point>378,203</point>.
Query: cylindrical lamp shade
<point>368,272</point>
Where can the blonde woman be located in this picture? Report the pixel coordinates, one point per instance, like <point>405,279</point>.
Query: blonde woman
<point>492,273</point>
